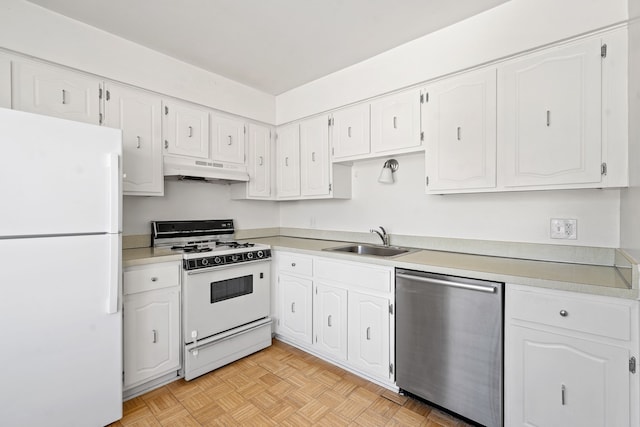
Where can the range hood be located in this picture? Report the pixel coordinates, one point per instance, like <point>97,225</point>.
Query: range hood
<point>204,170</point>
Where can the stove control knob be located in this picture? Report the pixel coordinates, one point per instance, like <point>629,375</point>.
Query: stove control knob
<point>250,255</point>
<point>217,260</point>
<point>234,258</point>
<point>205,261</point>
<point>260,254</point>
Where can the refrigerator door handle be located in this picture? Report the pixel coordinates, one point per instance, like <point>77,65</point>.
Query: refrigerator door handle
<point>114,275</point>
<point>114,193</point>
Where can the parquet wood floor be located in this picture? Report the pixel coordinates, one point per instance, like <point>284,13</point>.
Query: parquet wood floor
<point>279,386</point>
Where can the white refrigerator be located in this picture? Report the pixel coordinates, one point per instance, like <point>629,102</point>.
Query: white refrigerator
<point>60,272</point>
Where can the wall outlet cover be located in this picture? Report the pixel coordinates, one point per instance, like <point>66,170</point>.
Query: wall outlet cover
<point>564,228</point>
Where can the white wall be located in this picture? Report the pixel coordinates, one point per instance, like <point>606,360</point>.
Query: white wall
<point>403,208</point>
<point>32,30</point>
<point>196,200</point>
<point>514,26</point>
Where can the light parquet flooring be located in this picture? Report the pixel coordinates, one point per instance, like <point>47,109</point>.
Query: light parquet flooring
<point>279,386</point>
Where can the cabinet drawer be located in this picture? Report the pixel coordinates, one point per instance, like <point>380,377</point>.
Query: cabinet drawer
<point>146,278</point>
<point>365,276</point>
<point>294,263</point>
<point>582,314</point>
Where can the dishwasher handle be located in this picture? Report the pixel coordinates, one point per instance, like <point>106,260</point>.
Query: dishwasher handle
<point>488,289</point>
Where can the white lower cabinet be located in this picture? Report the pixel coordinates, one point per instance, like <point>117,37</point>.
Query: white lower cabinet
<point>568,359</point>
<point>151,322</point>
<point>338,310</point>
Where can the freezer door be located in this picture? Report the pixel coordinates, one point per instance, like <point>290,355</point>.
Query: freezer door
<point>62,350</point>
<point>58,176</point>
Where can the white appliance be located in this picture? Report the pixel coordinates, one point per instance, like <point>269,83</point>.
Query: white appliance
<point>225,292</point>
<point>60,268</point>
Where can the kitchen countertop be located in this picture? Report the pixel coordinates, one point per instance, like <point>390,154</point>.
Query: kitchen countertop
<point>591,279</point>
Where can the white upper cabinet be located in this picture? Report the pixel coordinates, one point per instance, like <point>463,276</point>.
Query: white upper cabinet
<point>259,161</point>
<point>315,167</point>
<point>395,123</point>
<point>186,130</point>
<point>288,161</point>
<point>227,139</point>
<point>53,91</point>
<point>549,121</point>
<point>350,132</point>
<point>139,115</point>
<point>459,118</point>
<point>5,81</point>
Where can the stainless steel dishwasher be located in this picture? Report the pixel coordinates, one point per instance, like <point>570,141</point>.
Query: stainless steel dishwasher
<point>449,343</point>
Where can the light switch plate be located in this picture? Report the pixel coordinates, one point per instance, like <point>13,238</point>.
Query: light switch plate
<point>564,228</point>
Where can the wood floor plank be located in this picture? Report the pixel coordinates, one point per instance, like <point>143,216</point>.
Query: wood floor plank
<point>279,386</point>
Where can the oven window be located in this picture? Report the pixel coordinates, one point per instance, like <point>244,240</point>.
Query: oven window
<point>231,288</point>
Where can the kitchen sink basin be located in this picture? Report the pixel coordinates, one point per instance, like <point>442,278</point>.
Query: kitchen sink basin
<point>359,249</point>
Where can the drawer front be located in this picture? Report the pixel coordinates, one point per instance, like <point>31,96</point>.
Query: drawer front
<point>582,314</point>
<point>366,276</point>
<point>147,278</point>
<point>294,263</point>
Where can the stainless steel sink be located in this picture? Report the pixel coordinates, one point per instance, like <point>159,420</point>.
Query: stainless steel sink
<point>359,249</point>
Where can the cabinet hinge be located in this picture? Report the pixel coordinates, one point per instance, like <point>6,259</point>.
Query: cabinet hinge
<point>316,290</point>
<point>391,369</point>
<point>316,338</point>
<point>275,136</point>
<point>329,187</point>
<point>99,93</point>
<point>424,97</point>
<point>100,118</point>
<point>422,136</point>
<point>245,129</point>
<point>108,95</point>
<point>603,50</point>
<point>603,169</point>
<point>427,181</point>
<point>390,308</point>
<point>166,110</point>
<point>333,151</point>
<point>632,365</point>
<point>329,121</point>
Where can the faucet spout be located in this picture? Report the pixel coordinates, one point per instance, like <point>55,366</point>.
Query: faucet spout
<point>383,236</point>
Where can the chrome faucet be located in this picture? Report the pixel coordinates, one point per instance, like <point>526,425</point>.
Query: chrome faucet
<point>384,236</point>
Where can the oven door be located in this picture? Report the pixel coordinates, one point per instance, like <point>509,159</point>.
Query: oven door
<point>222,298</point>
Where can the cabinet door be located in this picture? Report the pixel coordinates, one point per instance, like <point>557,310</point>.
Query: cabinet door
<point>139,115</point>
<point>550,116</point>
<point>296,308</point>
<point>314,157</point>
<point>227,139</point>
<point>330,320</point>
<point>460,132</point>
<point>186,130</point>
<point>395,123</point>
<point>288,161</point>
<point>554,380</point>
<point>5,81</point>
<point>259,161</point>
<point>350,134</point>
<point>57,92</point>
<point>151,335</point>
<point>369,333</point>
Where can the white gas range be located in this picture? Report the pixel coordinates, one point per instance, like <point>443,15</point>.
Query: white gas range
<point>225,292</point>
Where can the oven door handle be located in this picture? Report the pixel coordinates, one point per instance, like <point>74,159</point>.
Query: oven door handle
<point>226,337</point>
<point>222,267</point>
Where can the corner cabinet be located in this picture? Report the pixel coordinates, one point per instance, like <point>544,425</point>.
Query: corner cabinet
<point>303,166</point>
<point>139,115</point>
<point>260,147</point>
<point>570,359</point>
<point>54,91</point>
<point>459,118</point>
<point>341,311</point>
<point>151,322</point>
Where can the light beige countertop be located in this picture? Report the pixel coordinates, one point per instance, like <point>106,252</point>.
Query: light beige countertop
<point>592,279</point>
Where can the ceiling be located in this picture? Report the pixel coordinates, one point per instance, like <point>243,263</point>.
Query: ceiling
<point>271,45</point>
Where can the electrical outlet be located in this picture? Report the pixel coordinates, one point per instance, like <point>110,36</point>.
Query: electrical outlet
<point>564,228</point>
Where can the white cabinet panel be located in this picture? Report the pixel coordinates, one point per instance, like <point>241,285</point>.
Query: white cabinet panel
<point>314,157</point>
<point>288,161</point>
<point>330,320</point>
<point>369,333</point>
<point>186,130</point>
<point>350,132</point>
<point>550,116</point>
<point>296,308</point>
<point>227,139</point>
<point>395,123</point>
<point>259,161</point>
<point>460,132</point>
<point>139,115</point>
<point>5,81</point>
<point>53,91</point>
